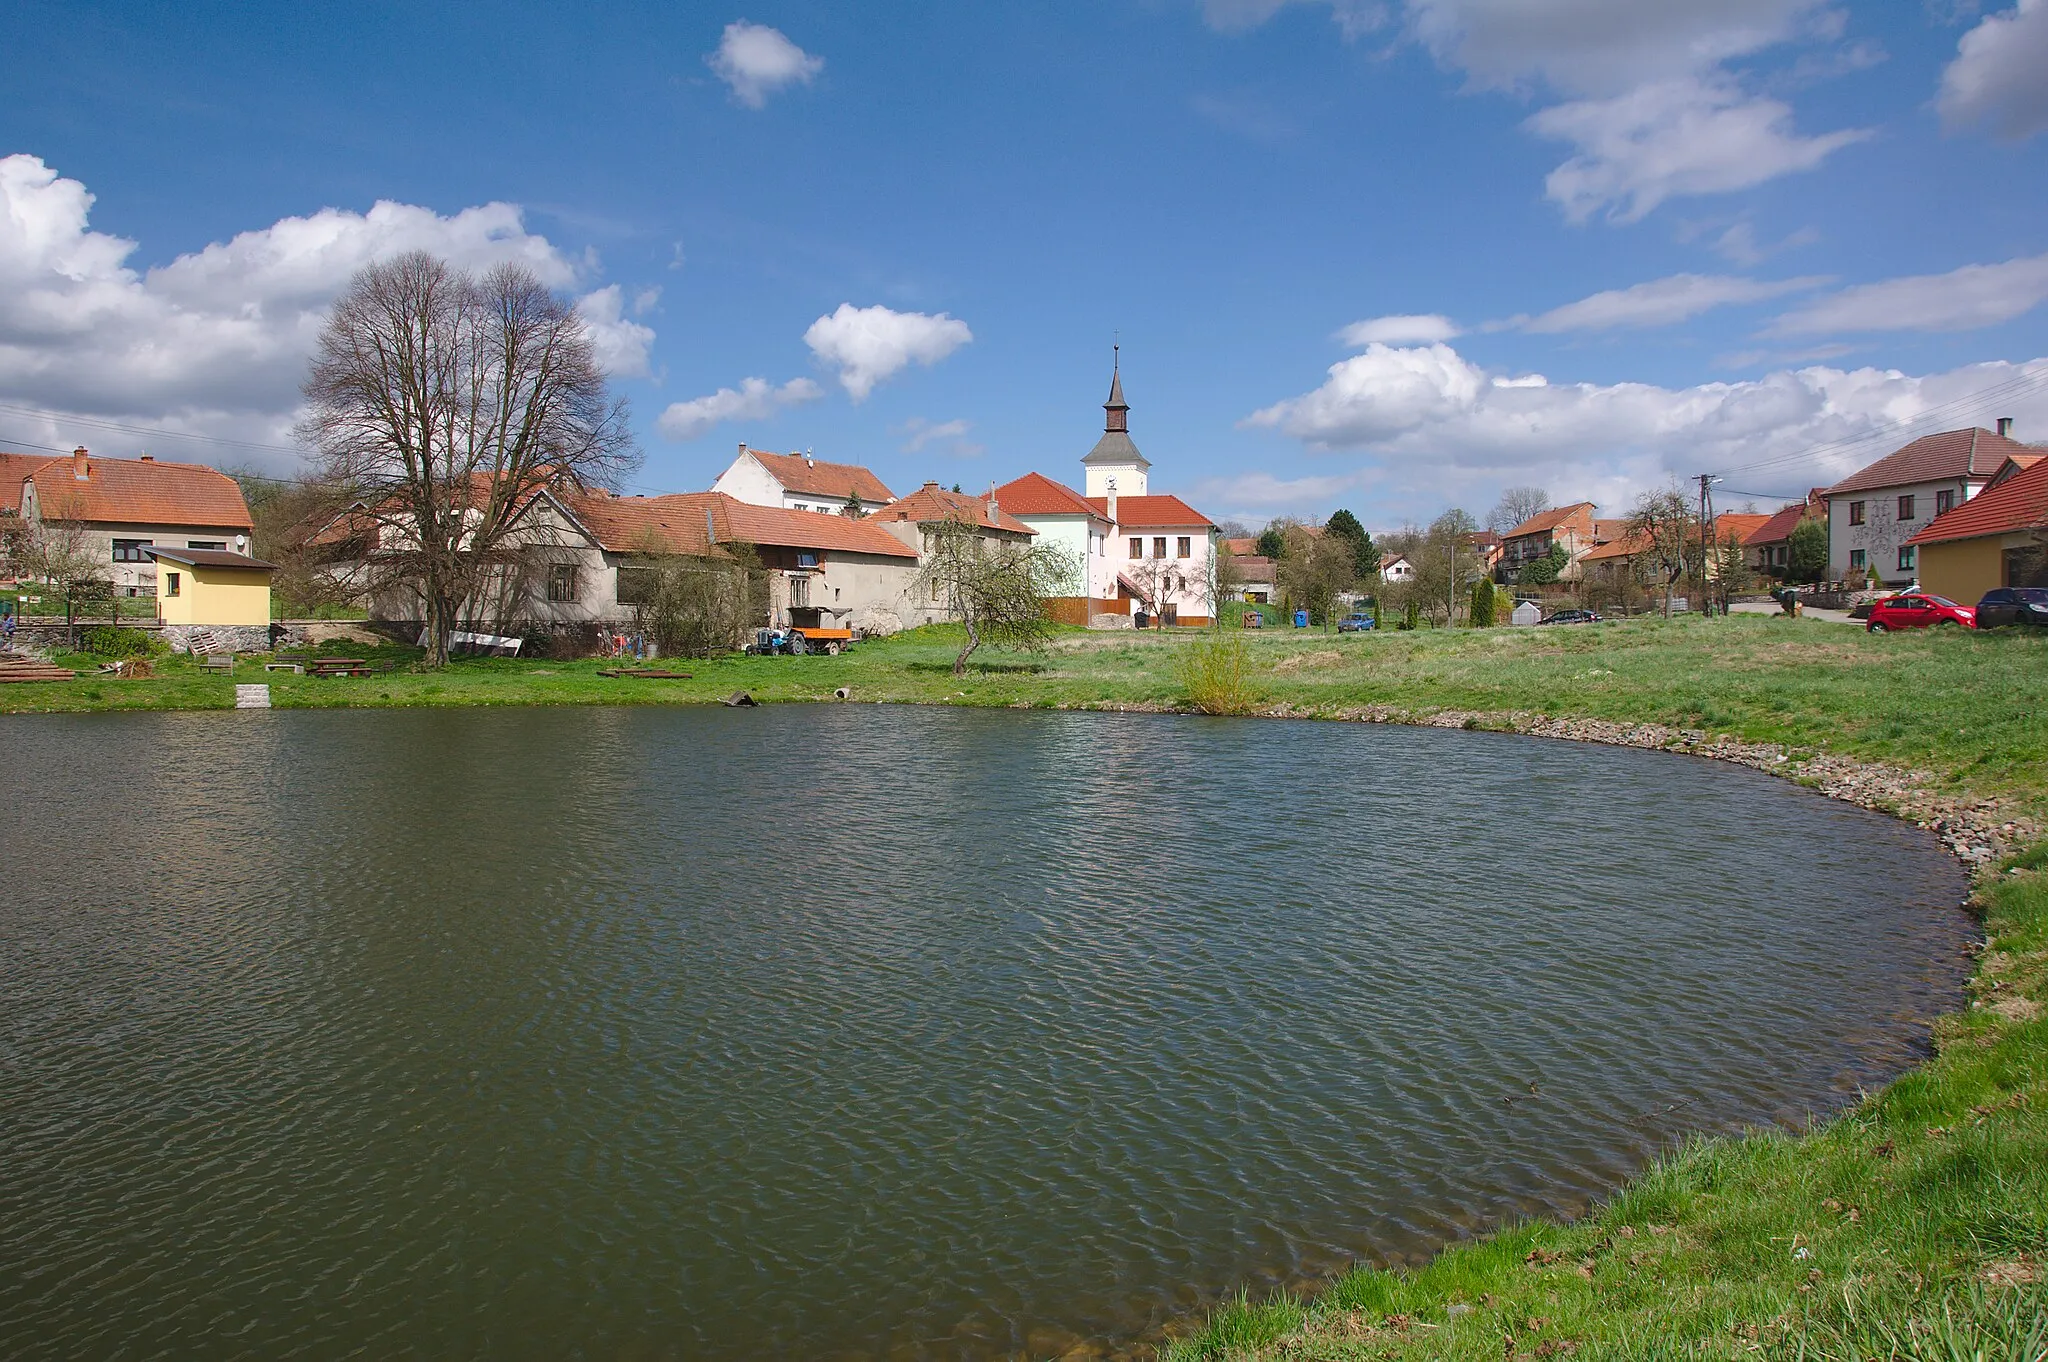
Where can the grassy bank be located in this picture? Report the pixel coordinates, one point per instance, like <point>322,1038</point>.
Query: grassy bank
<point>1914,1225</point>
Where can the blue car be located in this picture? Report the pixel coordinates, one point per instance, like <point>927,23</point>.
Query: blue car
<point>1354,624</point>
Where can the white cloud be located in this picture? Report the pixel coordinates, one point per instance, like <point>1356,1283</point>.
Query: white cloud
<point>1434,417</point>
<point>869,344</point>
<point>1661,302</point>
<point>1354,17</point>
<point>1254,497</point>
<point>756,399</point>
<point>2000,74</point>
<point>1399,330</point>
<point>757,61</point>
<point>1686,136</point>
<point>621,344</point>
<point>1961,300</point>
<point>919,433</point>
<point>216,340</point>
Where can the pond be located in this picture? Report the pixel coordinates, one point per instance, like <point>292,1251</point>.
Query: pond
<point>860,1031</point>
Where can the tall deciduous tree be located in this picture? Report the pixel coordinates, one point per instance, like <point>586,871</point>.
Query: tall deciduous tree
<point>444,402</point>
<point>1516,505</point>
<point>1000,591</point>
<point>1667,528</point>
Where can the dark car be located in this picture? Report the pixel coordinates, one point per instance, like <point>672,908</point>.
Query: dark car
<point>2013,605</point>
<point>1573,617</point>
<point>1918,610</point>
<point>1354,624</point>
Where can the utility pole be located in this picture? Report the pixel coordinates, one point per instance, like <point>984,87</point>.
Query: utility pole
<point>1707,544</point>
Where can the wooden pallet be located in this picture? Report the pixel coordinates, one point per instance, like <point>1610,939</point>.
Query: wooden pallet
<point>644,674</point>
<point>30,669</point>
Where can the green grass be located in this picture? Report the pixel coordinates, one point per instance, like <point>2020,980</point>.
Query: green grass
<point>1914,1225</point>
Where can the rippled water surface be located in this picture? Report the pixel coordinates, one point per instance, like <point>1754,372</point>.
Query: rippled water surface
<point>865,1031</point>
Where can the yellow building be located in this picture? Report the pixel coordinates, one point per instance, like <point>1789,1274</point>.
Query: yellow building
<point>211,587</point>
<point>1995,539</point>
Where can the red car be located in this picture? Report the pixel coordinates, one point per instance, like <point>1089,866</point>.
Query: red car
<point>1918,610</point>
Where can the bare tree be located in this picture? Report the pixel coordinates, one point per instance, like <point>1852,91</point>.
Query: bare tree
<point>1316,570</point>
<point>1667,528</point>
<point>999,590</point>
<point>1516,505</point>
<point>444,403</point>
<point>697,607</point>
<point>1445,563</point>
<point>1159,580</point>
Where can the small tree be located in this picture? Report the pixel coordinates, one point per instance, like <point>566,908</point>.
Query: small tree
<point>1159,580</point>
<point>698,607</point>
<point>1480,613</point>
<point>1273,542</point>
<point>999,591</point>
<point>1665,525</point>
<point>1444,564</point>
<point>852,510</point>
<point>1732,573</point>
<point>1806,552</point>
<point>1316,570</point>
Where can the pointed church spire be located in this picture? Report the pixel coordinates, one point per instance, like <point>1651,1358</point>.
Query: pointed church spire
<point>1116,406</point>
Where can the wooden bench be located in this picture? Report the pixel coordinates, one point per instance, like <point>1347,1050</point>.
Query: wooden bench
<point>213,663</point>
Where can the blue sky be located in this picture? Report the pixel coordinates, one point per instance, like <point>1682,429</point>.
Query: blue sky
<point>1388,256</point>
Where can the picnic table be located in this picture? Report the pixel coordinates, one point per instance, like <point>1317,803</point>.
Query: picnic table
<point>339,666</point>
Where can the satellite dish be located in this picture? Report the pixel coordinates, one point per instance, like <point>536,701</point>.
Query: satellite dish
<point>241,543</point>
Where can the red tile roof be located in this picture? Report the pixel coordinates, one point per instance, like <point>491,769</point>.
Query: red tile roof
<point>818,478</point>
<point>1154,513</point>
<point>1950,456</point>
<point>1738,525</point>
<point>1605,530</point>
<point>677,524</point>
<point>2018,503</point>
<point>140,492</point>
<point>1240,547</point>
<point>929,502</point>
<point>1580,512</point>
<point>1036,494</point>
<point>1777,528</point>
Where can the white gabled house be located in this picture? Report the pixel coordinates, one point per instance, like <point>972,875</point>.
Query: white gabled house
<point>798,482</point>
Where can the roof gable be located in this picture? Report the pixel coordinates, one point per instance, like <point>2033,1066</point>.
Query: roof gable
<point>14,468</point>
<point>1951,455</point>
<point>139,492</point>
<point>1036,494</point>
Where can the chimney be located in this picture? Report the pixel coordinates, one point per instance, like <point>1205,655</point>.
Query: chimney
<point>743,449</point>
<point>931,486</point>
<point>711,525</point>
<point>809,462</point>
<point>1110,488</point>
<point>149,458</point>
<point>2005,427</point>
<point>79,470</point>
<point>995,512</point>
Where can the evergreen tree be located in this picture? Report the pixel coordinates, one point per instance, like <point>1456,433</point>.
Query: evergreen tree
<point>1364,552</point>
<point>1480,615</point>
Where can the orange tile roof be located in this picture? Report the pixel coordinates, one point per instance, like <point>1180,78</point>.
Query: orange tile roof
<point>1738,525</point>
<point>930,502</point>
<point>1777,528</point>
<point>1036,494</point>
<point>677,523</point>
<point>1953,454</point>
<point>1604,530</point>
<point>1156,513</point>
<point>140,492</point>
<point>1542,521</point>
<point>1240,547</point>
<point>2018,503</point>
<point>818,478</point>
<point>1621,546</point>
<point>13,469</point>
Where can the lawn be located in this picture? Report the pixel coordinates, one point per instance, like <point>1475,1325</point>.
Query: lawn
<point>1915,1225</point>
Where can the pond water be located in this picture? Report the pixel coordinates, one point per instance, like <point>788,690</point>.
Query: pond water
<point>861,1032</point>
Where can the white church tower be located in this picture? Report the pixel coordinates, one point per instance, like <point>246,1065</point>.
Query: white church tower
<point>1115,462</point>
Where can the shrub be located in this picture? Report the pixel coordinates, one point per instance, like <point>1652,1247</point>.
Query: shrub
<point>1483,602</point>
<point>1215,671</point>
<point>107,641</point>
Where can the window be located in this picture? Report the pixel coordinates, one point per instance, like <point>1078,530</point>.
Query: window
<point>636,585</point>
<point>1906,506</point>
<point>1855,513</point>
<point>1908,558</point>
<point>1183,547</point>
<point>1159,546</point>
<point>1137,547</point>
<point>935,589</point>
<point>805,558</point>
<point>171,583</point>
<point>1944,502</point>
<point>798,506</point>
<point>206,544</point>
<point>561,582</point>
<point>130,550</point>
<point>1858,558</point>
<point>800,592</point>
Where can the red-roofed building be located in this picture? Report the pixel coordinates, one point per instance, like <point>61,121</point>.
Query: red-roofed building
<point>127,506</point>
<point>798,482</point>
<point>1572,527</point>
<point>1768,547</point>
<point>1064,518</point>
<point>1874,513</point>
<point>1997,538</point>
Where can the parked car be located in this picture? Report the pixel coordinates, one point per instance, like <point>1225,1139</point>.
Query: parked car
<point>1918,610</point>
<point>1354,624</point>
<point>2013,605</point>
<point>1573,617</point>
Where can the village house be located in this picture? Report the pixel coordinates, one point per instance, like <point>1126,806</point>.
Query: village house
<point>798,482</point>
<point>1574,527</point>
<point>1768,547</point>
<point>1997,538</point>
<point>1064,518</point>
<point>912,520</point>
<point>126,507</point>
<point>1395,568</point>
<point>1874,514</point>
<point>213,589</point>
<point>1257,579</point>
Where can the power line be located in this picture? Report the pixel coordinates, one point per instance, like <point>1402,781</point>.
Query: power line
<point>2019,386</point>
<point>125,428</point>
